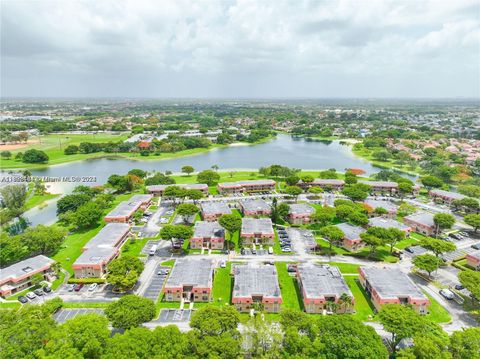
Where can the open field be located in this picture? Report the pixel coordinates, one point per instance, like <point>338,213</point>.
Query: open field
<point>223,286</point>
<point>289,288</point>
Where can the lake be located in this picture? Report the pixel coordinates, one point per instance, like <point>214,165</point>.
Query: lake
<point>284,150</point>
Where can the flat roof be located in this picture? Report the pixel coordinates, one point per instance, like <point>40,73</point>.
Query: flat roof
<point>441,192</point>
<point>109,235</point>
<point>391,283</point>
<point>191,272</point>
<point>255,205</point>
<point>24,267</point>
<point>421,217</point>
<point>389,206</point>
<point>248,183</point>
<point>215,208</point>
<point>350,231</point>
<point>322,281</point>
<point>387,223</point>
<point>161,187</point>
<point>328,181</point>
<point>208,229</point>
<point>129,206</point>
<point>252,280</point>
<point>257,225</point>
<point>301,208</point>
<point>96,255</point>
<point>380,183</point>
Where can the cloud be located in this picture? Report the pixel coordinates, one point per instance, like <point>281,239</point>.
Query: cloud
<point>240,48</point>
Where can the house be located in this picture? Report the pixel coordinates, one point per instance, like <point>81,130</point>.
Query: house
<point>18,276</point>
<point>256,285</point>
<point>212,211</point>
<point>421,222</point>
<point>473,259</point>
<point>447,197</point>
<point>321,285</point>
<point>325,184</point>
<point>207,235</point>
<point>100,251</point>
<point>381,187</point>
<point>157,190</point>
<point>257,230</point>
<point>255,207</point>
<point>371,205</point>
<point>389,223</point>
<point>266,185</point>
<point>351,236</point>
<point>126,209</point>
<point>300,213</point>
<point>190,280</point>
<point>392,286</point>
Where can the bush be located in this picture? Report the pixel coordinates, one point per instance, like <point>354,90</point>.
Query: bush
<point>34,156</point>
<point>86,280</point>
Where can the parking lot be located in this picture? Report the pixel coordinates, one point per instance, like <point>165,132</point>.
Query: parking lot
<point>162,248</point>
<point>174,315</point>
<point>303,240</point>
<point>154,288</point>
<point>65,314</point>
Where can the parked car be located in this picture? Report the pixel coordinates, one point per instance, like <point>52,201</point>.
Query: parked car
<point>71,287</point>
<point>78,287</point>
<point>476,246</point>
<point>270,250</point>
<point>409,250</point>
<point>92,287</point>
<point>459,287</point>
<point>242,251</point>
<point>254,251</point>
<point>223,264</point>
<point>31,295</point>
<point>47,289</point>
<point>447,294</point>
<point>292,268</point>
<point>38,292</point>
<point>22,299</point>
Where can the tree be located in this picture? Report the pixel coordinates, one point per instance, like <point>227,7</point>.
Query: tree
<point>405,188</point>
<point>120,183</point>
<point>71,150</point>
<point>159,178</point>
<point>87,215</point>
<point>71,202</point>
<point>293,191</point>
<point>315,190</point>
<point>465,344</point>
<point>264,338</point>
<point>179,231</point>
<point>468,204</point>
<point>134,343</point>
<point>214,321</point>
<point>358,218</point>
<point>380,211</point>
<point>123,272</point>
<point>292,180</point>
<point>427,262</point>
<point>283,210</point>
<point>14,197</point>
<point>437,246</point>
<point>350,178</point>
<point>194,195</point>
<point>473,220</point>
<point>6,155</point>
<point>188,170</point>
<point>130,311</point>
<point>324,216</point>
<point>394,235</point>
<point>42,239</point>
<point>231,223</point>
<point>34,156</point>
<point>355,192</point>
<point>332,234</point>
<point>209,177</point>
<point>186,210</point>
<point>471,280</point>
<point>443,221</point>
<point>138,173</point>
<point>431,182</point>
<point>469,190</point>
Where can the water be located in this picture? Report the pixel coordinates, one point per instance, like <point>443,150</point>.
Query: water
<point>284,150</point>
<point>46,215</point>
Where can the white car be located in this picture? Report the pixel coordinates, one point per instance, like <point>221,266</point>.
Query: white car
<point>447,294</point>
<point>223,264</point>
<point>92,287</point>
<point>31,295</point>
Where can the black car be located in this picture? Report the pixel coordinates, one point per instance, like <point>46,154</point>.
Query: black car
<point>409,250</point>
<point>476,246</point>
<point>22,299</point>
<point>459,287</point>
<point>47,289</point>
<point>38,292</point>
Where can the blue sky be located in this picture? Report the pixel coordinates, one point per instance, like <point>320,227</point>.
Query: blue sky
<point>240,48</point>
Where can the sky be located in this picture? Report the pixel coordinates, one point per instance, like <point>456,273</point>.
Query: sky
<point>240,49</point>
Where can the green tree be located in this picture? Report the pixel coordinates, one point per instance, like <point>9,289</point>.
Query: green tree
<point>87,215</point>
<point>394,235</point>
<point>465,344</point>
<point>469,190</point>
<point>71,202</point>
<point>324,216</point>
<point>437,246</point>
<point>71,150</point>
<point>6,155</point>
<point>427,262</point>
<point>138,172</point>
<point>332,234</point>
<point>293,191</point>
<point>231,223</point>
<point>14,197</point>
<point>123,272</point>
<point>356,192</point>
<point>170,232</point>
<point>431,182</point>
<point>358,218</point>
<point>209,177</point>
<point>194,194</point>
<point>43,239</point>
<point>292,180</point>
<point>471,280</point>
<point>443,221</point>
<point>214,321</point>
<point>188,170</point>
<point>374,237</point>
<point>473,220</point>
<point>34,156</point>
<point>186,210</point>
<point>130,311</point>
<point>405,188</point>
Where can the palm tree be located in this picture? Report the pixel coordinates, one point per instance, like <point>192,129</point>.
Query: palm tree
<point>215,167</point>
<point>332,306</point>
<point>346,301</point>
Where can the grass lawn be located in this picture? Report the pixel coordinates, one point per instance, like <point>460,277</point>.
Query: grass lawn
<point>437,313</point>
<point>133,247</point>
<point>345,268</point>
<point>168,263</point>
<point>325,245</point>
<point>407,242</point>
<point>289,288</point>
<point>363,306</point>
<point>59,281</point>
<point>23,292</point>
<point>382,253</point>
<point>10,305</point>
<point>37,199</point>
<point>223,285</point>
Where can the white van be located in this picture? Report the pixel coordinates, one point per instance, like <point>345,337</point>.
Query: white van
<point>270,250</point>
<point>153,250</point>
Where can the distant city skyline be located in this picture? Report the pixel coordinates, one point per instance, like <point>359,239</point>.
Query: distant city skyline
<point>241,49</point>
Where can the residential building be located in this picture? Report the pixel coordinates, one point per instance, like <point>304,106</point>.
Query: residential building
<point>256,285</point>
<point>100,251</point>
<point>326,184</point>
<point>300,213</point>
<point>473,259</point>
<point>190,280</point>
<point>389,223</point>
<point>381,187</point>
<point>18,276</point>
<point>351,236</point>
<point>322,285</point>
<point>421,222</point>
<point>392,286</point>
<point>125,210</point>
<point>157,190</point>
<point>212,211</point>
<point>447,197</point>
<point>266,185</point>
<point>207,235</point>
<point>257,230</point>
<point>255,207</point>
<point>371,205</point>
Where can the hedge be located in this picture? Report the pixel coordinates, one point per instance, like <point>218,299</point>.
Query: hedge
<point>86,280</point>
